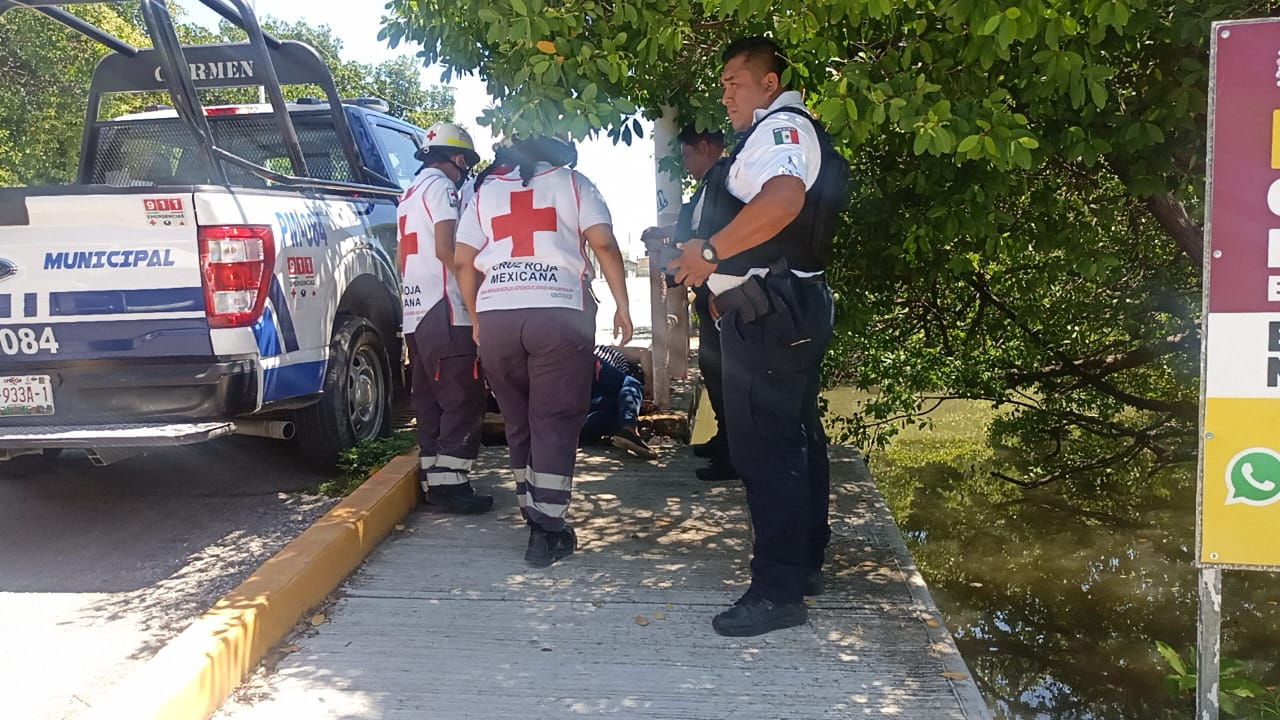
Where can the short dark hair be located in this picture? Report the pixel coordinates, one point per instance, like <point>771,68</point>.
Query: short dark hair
<point>691,135</point>
<point>759,52</point>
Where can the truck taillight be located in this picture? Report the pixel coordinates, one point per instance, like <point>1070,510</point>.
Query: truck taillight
<point>236,262</point>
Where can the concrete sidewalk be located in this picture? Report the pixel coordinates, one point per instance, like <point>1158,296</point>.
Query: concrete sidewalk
<point>445,621</point>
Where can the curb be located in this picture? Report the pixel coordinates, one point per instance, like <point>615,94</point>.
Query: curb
<point>195,672</point>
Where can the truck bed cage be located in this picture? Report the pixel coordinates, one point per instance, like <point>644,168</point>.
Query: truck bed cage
<point>263,61</point>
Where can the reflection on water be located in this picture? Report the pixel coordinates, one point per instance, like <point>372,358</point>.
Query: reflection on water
<point>1056,596</point>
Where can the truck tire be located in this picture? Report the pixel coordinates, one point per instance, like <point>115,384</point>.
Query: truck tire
<point>356,402</point>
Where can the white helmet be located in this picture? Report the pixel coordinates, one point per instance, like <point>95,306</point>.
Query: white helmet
<point>449,137</point>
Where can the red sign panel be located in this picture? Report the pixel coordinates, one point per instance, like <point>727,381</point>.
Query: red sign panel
<point>1245,213</point>
<point>301,265</point>
<point>163,204</point>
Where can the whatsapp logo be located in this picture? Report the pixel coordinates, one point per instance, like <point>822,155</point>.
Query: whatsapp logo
<point>1253,477</point>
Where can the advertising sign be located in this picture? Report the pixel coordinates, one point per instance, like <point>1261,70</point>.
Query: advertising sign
<point>1239,494</point>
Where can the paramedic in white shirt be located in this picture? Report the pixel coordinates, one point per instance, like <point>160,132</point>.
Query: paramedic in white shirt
<point>448,393</point>
<point>522,267</point>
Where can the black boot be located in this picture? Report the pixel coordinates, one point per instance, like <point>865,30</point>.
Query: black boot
<point>715,448</point>
<point>547,547</point>
<point>716,471</point>
<point>757,616</point>
<point>459,499</point>
<point>813,584</point>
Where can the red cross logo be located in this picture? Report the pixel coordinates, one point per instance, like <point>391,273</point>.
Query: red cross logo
<point>408,243</point>
<point>522,222</point>
<point>431,135</point>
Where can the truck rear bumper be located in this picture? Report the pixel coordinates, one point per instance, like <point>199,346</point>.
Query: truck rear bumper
<point>129,393</point>
<point>106,444</point>
<point>134,435</point>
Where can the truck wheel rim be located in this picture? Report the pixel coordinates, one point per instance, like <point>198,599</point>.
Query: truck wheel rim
<point>364,394</point>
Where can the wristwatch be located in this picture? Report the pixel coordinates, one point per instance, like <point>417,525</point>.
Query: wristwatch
<point>709,253</point>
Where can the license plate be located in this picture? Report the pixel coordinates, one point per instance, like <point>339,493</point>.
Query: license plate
<point>26,395</point>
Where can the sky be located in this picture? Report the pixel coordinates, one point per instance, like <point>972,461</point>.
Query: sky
<point>624,174</point>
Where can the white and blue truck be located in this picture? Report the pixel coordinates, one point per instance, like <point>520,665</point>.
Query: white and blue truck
<point>213,269</point>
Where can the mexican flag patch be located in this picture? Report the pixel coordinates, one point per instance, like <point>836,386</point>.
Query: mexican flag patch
<point>786,136</point>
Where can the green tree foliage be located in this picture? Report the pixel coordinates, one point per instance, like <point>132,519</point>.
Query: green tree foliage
<point>46,70</point>
<point>1027,226</point>
<point>395,81</point>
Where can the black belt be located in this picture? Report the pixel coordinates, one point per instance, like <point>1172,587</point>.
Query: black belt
<point>776,291</point>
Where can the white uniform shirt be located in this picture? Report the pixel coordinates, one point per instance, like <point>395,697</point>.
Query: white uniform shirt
<point>784,144</point>
<point>531,249</point>
<point>467,193</point>
<point>430,199</point>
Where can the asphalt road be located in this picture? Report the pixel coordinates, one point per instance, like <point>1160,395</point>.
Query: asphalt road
<point>99,567</point>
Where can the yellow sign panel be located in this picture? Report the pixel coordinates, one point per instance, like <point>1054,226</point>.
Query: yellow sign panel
<point>1275,139</point>
<point>1240,516</point>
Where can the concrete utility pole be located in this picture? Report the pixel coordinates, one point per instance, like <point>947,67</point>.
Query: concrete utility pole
<point>669,306</point>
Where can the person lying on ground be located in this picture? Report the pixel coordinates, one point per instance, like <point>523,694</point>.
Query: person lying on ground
<point>617,391</point>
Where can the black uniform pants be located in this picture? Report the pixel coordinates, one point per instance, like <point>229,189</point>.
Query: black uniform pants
<point>709,362</point>
<point>772,353</point>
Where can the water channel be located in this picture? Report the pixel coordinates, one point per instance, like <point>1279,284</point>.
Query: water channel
<point>1057,596</point>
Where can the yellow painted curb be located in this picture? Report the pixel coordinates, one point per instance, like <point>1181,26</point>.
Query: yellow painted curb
<point>195,672</point>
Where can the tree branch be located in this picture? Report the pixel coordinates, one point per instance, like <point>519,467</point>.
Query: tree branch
<point>1104,366</point>
<point>1175,407</point>
<point>1174,218</point>
<point>1107,461</point>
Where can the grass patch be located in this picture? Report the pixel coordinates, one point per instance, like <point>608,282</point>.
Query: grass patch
<point>356,464</point>
<point>950,453</point>
<point>957,432</point>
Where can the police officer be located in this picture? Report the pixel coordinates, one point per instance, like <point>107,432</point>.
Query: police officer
<point>525,232</point>
<point>761,260</point>
<point>448,394</point>
<point>700,151</point>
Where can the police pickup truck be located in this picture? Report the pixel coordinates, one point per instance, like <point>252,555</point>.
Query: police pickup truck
<point>213,270</point>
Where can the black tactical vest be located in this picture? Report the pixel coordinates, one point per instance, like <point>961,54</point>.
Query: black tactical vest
<point>805,243</point>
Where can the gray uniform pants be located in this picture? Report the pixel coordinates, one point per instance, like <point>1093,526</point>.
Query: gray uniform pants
<point>539,364</point>
<point>448,397</point>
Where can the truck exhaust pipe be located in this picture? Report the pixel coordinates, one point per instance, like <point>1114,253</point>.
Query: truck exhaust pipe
<point>273,429</point>
<point>104,456</point>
